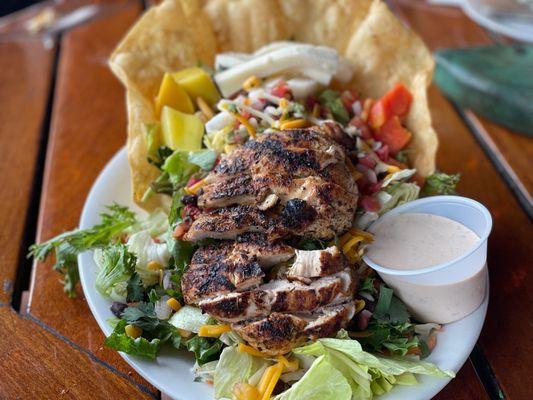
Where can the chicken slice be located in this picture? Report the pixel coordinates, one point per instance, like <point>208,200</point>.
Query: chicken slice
<point>202,280</point>
<point>280,296</point>
<point>316,263</point>
<point>279,333</point>
<point>251,247</point>
<point>228,223</point>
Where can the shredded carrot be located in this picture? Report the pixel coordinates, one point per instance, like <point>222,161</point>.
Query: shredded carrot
<point>213,330</point>
<point>247,125</point>
<point>244,348</point>
<point>268,386</point>
<point>293,124</point>
<point>289,366</point>
<point>194,188</point>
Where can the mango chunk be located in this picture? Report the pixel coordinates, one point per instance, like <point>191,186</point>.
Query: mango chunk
<point>197,83</point>
<point>181,131</point>
<point>173,95</point>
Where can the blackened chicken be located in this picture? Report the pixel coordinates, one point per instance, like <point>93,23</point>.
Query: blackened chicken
<point>279,188</point>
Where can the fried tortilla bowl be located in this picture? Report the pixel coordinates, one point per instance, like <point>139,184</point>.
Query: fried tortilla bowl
<point>178,34</point>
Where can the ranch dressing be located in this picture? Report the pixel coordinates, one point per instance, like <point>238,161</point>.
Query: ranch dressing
<point>414,241</point>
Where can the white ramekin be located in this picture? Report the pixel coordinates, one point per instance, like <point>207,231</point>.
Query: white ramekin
<point>450,291</point>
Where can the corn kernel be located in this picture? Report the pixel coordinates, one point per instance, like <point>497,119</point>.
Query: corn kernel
<point>154,266</point>
<point>359,305</point>
<point>174,304</point>
<point>245,391</point>
<point>133,331</point>
<point>250,83</point>
<point>283,103</point>
<point>213,330</point>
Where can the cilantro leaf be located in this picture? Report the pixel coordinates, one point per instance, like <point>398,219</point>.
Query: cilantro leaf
<point>204,349</point>
<point>68,245</point>
<point>440,184</point>
<point>331,99</point>
<point>135,289</point>
<point>142,315</point>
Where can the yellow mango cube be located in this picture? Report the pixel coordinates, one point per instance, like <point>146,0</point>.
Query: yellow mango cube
<point>197,83</point>
<point>173,95</point>
<point>181,131</point>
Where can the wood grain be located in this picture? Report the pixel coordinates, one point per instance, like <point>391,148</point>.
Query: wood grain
<point>465,386</point>
<point>506,339</point>
<point>88,127</point>
<point>448,27</point>
<point>24,89</point>
<point>42,366</point>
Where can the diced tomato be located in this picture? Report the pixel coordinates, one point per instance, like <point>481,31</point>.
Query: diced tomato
<point>393,134</point>
<point>367,187</point>
<point>396,102</point>
<point>362,126</point>
<point>192,180</point>
<point>310,102</point>
<point>181,229</point>
<point>245,114</point>
<point>281,89</point>
<point>369,203</point>
<point>383,153</point>
<point>190,211</point>
<point>367,161</point>
<point>348,97</point>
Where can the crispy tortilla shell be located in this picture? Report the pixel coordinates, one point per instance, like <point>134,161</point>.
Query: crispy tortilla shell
<point>178,34</point>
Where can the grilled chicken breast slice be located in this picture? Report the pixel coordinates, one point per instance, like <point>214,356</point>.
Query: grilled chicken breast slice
<point>202,280</point>
<point>228,223</point>
<point>316,263</point>
<point>279,333</point>
<point>280,296</point>
<point>251,247</point>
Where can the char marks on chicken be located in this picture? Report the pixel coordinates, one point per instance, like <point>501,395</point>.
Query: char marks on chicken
<point>282,186</point>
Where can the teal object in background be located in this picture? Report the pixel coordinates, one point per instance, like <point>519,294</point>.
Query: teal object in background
<point>494,81</point>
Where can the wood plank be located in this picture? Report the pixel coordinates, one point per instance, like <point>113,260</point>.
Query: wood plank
<point>88,127</point>
<point>43,366</point>
<point>444,27</point>
<point>505,339</point>
<point>26,67</point>
<point>465,386</point>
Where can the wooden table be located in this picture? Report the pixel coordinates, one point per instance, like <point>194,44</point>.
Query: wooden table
<point>62,117</point>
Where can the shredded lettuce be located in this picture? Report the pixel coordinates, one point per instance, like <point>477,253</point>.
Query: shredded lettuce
<point>116,266</point>
<point>333,385</point>
<point>366,374</point>
<point>146,250</point>
<point>398,194</point>
<point>440,184</point>
<point>233,367</point>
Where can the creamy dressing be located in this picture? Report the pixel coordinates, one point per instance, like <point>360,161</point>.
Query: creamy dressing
<point>416,241</point>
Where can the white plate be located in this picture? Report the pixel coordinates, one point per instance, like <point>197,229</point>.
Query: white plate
<point>171,372</point>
